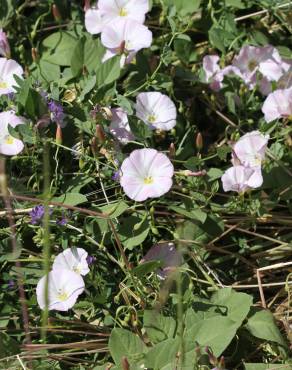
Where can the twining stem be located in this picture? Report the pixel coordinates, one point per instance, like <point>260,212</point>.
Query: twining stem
<point>46,251</point>
<point>11,222</point>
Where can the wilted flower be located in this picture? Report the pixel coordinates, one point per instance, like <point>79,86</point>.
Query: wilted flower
<point>156,110</point>
<point>250,149</point>
<point>278,104</point>
<point>212,69</point>
<point>263,59</point>
<point>146,173</point>
<point>64,287</point>
<point>240,179</point>
<point>4,44</point>
<point>110,11</point>
<point>125,37</point>
<point>8,68</point>
<point>119,126</point>
<point>167,254</point>
<point>57,113</point>
<point>8,144</point>
<point>73,259</point>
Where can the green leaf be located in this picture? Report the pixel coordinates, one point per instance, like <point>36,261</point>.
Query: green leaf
<point>89,85</point>
<point>233,304</point>
<point>262,325</point>
<point>145,268</point>
<point>214,174</point>
<point>71,199</point>
<point>158,327</point>
<point>115,210</point>
<point>185,7</point>
<point>134,231</point>
<point>109,71</point>
<point>123,343</point>
<point>194,214</point>
<point>58,48</point>
<point>93,53</point>
<point>77,60</point>
<point>47,72</point>
<point>257,366</point>
<point>8,346</point>
<point>216,38</point>
<point>164,355</point>
<point>235,4</point>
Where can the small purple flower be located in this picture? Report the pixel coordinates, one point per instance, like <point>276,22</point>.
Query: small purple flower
<point>11,284</point>
<point>62,221</point>
<point>57,112</point>
<point>37,214</point>
<point>90,260</point>
<point>116,176</point>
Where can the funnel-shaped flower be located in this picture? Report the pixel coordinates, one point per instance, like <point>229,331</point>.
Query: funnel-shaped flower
<point>8,144</point>
<point>108,11</point>
<point>156,110</point>
<point>278,104</point>
<point>64,287</point>
<point>4,44</point>
<point>240,179</point>
<point>125,37</point>
<point>250,149</point>
<point>167,254</point>
<point>119,126</point>
<point>72,260</point>
<point>146,173</point>
<point>8,68</point>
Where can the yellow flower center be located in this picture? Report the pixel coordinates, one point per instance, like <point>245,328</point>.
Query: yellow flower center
<point>151,118</point>
<point>148,180</point>
<point>77,269</point>
<point>9,140</point>
<point>252,64</point>
<point>3,85</point>
<point>63,296</point>
<point>123,12</point>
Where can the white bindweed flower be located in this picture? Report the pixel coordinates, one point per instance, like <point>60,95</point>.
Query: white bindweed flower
<point>8,68</point>
<point>73,260</point>
<point>278,104</point>
<point>250,149</point>
<point>8,144</point>
<point>119,126</point>
<point>241,179</point>
<point>64,287</point>
<point>146,173</point>
<point>110,11</point>
<point>156,110</point>
<point>125,37</point>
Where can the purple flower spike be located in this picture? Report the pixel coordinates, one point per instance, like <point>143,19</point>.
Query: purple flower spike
<point>167,254</point>
<point>37,214</point>
<point>57,112</point>
<point>11,284</point>
<point>90,260</point>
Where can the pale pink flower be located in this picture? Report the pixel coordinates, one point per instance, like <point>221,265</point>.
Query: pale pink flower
<point>250,149</point>
<point>168,255</point>
<point>278,104</point>
<point>119,126</point>
<point>110,11</point>
<point>8,144</point>
<point>73,260</point>
<point>252,59</point>
<point>8,68</point>
<point>64,287</point>
<point>146,173</point>
<point>125,37</point>
<point>156,110</point>
<point>241,179</point>
<point>4,44</point>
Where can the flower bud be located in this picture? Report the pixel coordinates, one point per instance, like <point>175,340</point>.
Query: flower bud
<point>34,54</point>
<point>125,363</point>
<point>86,5</point>
<point>59,134</point>
<point>4,45</point>
<point>171,150</point>
<point>99,133</point>
<point>56,13</point>
<point>199,141</point>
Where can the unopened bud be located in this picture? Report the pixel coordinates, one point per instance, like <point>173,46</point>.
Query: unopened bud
<point>70,95</point>
<point>59,135</point>
<point>56,13</point>
<point>125,363</point>
<point>171,150</point>
<point>34,54</point>
<point>4,45</point>
<point>99,133</point>
<point>106,113</point>
<point>86,5</point>
<point>199,141</point>
<point>94,146</point>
